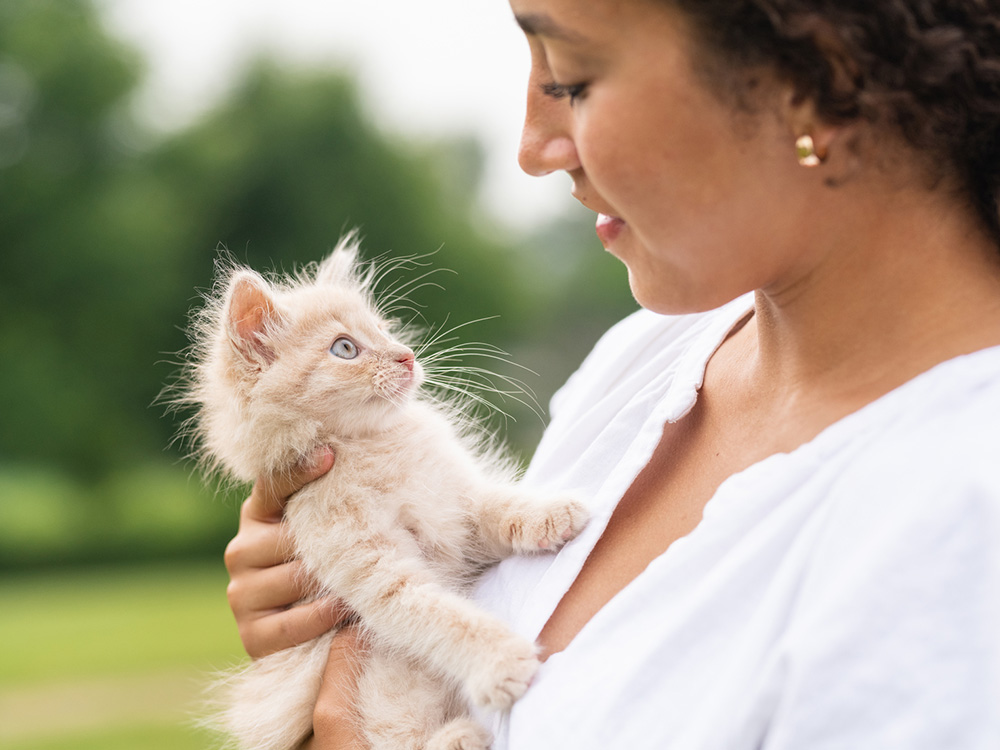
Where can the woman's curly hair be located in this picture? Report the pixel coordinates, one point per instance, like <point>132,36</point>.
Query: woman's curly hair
<point>930,69</point>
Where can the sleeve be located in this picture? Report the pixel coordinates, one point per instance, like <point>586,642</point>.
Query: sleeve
<point>896,643</point>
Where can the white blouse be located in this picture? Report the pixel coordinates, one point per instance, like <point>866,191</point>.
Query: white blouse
<point>844,595</point>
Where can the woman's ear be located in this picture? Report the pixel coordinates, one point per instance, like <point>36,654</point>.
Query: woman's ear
<point>810,138</point>
<point>834,151</point>
<point>251,318</point>
<point>819,136</point>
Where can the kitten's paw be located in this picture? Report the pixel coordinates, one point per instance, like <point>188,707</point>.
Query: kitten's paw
<point>499,684</point>
<point>547,524</point>
<point>460,734</point>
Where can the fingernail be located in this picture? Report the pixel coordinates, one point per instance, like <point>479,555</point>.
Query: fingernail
<point>322,459</point>
<point>316,461</point>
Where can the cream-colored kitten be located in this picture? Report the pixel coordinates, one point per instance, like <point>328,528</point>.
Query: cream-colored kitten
<point>412,510</point>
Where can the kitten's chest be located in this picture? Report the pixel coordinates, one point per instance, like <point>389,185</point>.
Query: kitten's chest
<point>443,537</point>
<point>396,494</point>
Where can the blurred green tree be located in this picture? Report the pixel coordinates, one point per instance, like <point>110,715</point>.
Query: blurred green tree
<point>65,287</point>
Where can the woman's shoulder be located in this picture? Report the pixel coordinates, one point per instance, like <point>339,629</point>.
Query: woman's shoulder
<point>945,423</point>
<point>926,457</point>
<point>895,610</point>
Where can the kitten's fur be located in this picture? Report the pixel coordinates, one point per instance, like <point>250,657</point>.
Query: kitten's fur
<point>411,511</point>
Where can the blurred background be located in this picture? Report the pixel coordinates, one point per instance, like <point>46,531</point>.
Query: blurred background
<point>137,138</point>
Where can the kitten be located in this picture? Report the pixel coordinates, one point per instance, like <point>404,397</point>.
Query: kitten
<point>411,512</point>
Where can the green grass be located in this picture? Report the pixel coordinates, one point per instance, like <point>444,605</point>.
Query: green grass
<point>142,737</point>
<point>110,658</point>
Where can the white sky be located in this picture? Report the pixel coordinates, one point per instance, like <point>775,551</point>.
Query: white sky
<point>427,67</point>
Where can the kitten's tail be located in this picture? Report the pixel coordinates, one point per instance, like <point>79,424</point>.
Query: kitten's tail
<point>268,704</point>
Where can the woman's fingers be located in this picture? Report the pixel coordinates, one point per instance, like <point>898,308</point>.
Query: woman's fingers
<point>260,599</point>
<point>269,495</point>
<point>264,579</point>
<point>262,541</point>
<point>271,589</point>
<point>258,545</point>
<point>335,724</point>
<point>285,628</point>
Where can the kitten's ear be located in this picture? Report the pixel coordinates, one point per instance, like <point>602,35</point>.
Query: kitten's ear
<point>250,316</point>
<point>339,267</point>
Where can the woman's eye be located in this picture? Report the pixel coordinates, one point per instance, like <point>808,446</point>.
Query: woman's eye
<point>344,348</point>
<point>561,91</point>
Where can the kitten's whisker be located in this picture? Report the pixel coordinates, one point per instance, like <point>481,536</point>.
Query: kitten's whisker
<point>450,355</point>
<point>387,263</point>
<point>390,300</point>
<point>436,337</point>
<point>470,346</point>
<point>489,374</point>
<point>518,392</point>
<point>474,347</point>
<point>486,377</point>
<point>473,396</point>
<point>418,287</point>
<point>504,395</point>
<point>399,289</point>
<point>389,308</point>
<point>392,312</point>
<point>395,299</point>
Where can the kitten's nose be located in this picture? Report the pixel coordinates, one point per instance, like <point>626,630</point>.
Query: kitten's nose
<point>406,360</point>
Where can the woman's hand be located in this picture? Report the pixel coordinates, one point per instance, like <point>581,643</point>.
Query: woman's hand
<point>265,579</point>
<point>335,725</point>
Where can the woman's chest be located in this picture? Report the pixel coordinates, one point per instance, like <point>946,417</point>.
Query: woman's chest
<point>665,503</point>
<point>690,646</point>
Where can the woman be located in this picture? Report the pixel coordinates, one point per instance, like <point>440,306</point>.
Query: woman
<point>791,454</point>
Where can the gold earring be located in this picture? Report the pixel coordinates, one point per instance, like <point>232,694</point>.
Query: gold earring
<point>805,149</point>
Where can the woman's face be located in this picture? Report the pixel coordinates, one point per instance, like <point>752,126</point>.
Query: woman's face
<point>699,202</point>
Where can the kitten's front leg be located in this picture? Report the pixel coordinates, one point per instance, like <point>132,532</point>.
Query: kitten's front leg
<point>515,521</point>
<point>384,580</point>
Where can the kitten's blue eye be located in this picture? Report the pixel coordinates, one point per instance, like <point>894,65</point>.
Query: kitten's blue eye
<point>344,348</point>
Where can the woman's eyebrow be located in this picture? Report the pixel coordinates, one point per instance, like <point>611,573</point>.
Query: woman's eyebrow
<point>540,24</point>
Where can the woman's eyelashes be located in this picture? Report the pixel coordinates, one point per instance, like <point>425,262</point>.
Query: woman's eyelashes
<point>573,91</point>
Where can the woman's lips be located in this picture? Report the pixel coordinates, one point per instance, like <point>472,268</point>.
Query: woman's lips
<point>608,228</point>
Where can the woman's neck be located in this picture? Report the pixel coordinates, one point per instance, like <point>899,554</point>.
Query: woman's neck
<point>907,285</point>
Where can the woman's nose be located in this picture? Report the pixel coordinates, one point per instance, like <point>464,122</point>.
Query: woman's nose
<point>546,143</point>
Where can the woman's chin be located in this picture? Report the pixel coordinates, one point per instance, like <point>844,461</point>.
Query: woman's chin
<point>659,293</point>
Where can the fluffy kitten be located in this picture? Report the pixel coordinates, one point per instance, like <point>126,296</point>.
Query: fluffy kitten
<point>412,510</point>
